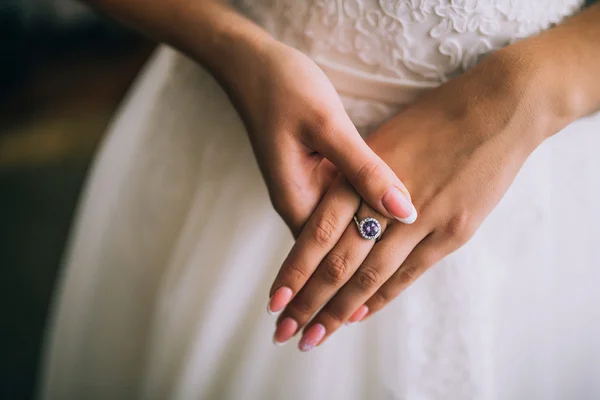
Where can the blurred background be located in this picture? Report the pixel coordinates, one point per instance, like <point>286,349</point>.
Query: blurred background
<point>63,72</point>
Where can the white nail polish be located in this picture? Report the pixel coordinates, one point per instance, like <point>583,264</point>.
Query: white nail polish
<point>269,308</point>
<point>411,218</point>
<point>279,344</point>
<point>398,203</point>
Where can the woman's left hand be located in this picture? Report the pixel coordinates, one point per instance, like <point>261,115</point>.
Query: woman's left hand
<point>457,149</point>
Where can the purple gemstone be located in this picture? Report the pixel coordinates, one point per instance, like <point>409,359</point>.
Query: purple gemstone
<point>370,228</point>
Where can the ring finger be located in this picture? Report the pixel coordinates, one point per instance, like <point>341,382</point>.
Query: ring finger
<point>333,272</point>
<point>377,268</point>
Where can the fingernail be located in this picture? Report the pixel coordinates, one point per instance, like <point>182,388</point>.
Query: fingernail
<point>399,206</point>
<point>358,315</point>
<point>285,330</point>
<point>279,300</point>
<point>311,337</point>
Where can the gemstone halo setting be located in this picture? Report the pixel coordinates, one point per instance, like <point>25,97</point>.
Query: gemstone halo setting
<point>369,228</point>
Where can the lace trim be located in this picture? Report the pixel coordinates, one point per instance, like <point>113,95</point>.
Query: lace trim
<point>414,41</point>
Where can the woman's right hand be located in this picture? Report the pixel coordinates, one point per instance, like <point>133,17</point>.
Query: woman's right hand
<point>293,115</point>
<point>302,137</point>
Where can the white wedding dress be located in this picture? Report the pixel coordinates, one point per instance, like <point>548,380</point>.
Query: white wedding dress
<point>176,244</point>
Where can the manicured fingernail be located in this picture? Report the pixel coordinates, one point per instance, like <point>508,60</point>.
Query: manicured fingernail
<point>311,337</point>
<point>285,330</point>
<point>358,314</point>
<point>399,206</point>
<point>279,300</point>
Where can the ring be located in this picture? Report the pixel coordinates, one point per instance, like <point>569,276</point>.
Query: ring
<point>369,228</point>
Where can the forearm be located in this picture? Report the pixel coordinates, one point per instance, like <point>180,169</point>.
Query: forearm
<point>566,64</point>
<point>209,32</point>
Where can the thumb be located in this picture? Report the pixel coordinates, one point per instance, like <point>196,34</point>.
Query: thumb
<point>372,178</point>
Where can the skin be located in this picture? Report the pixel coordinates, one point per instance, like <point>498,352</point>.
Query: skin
<point>457,148</point>
<point>299,130</point>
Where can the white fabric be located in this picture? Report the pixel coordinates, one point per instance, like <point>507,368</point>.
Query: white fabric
<point>410,42</point>
<point>175,246</point>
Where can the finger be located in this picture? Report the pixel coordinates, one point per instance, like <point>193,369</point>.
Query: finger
<point>320,234</point>
<point>426,254</point>
<point>333,272</point>
<point>374,180</point>
<point>383,260</point>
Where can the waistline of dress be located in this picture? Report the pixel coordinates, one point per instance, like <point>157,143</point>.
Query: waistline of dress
<point>354,83</point>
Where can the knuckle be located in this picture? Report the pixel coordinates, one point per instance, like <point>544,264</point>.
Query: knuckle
<point>366,174</point>
<point>460,227</point>
<point>323,120</point>
<point>324,232</point>
<point>334,315</point>
<point>300,308</point>
<point>380,299</point>
<point>368,278</point>
<point>296,273</point>
<point>408,274</point>
<point>323,124</point>
<point>412,269</point>
<point>336,268</point>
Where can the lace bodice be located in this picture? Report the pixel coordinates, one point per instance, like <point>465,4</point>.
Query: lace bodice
<point>380,54</point>
<point>410,42</point>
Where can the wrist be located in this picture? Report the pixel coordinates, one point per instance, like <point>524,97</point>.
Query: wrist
<point>499,99</point>
<point>562,64</point>
<point>231,53</point>
<point>216,36</point>
<point>236,52</point>
<point>240,61</point>
<point>539,97</point>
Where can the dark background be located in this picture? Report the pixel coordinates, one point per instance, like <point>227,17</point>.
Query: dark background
<point>63,72</point>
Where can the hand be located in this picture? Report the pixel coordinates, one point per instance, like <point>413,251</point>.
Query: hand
<point>302,136</point>
<point>457,148</point>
